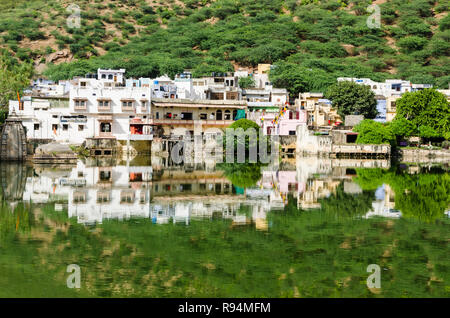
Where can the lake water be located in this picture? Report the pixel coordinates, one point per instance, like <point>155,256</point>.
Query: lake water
<point>308,227</point>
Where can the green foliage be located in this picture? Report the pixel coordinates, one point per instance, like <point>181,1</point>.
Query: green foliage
<point>401,127</point>
<point>428,109</point>
<point>353,99</point>
<point>313,43</point>
<point>246,82</point>
<point>13,79</point>
<point>372,132</point>
<point>412,43</point>
<point>422,196</point>
<point>242,175</point>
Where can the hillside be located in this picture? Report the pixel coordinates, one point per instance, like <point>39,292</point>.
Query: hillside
<point>312,42</point>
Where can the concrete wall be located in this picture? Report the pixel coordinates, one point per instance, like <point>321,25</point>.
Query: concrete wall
<point>308,143</point>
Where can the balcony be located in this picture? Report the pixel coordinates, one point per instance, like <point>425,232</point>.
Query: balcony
<point>80,103</point>
<point>104,108</point>
<point>82,107</point>
<point>128,109</point>
<point>128,105</point>
<point>190,122</point>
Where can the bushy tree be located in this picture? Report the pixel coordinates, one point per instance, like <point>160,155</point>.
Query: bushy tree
<point>425,108</point>
<point>402,127</point>
<point>372,132</point>
<point>353,99</point>
<point>246,82</point>
<point>13,79</point>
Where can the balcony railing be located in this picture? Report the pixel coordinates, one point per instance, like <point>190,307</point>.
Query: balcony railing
<point>104,108</point>
<point>80,107</point>
<point>106,134</point>
<point>128,109</point>
<point>190,122</point>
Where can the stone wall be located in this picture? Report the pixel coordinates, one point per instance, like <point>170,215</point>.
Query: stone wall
<point>425,155</point>
<point>308,143</point>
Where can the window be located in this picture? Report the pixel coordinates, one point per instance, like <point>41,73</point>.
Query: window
<point>227,115</point>
<point>203,116</point>
<point>219,115</point>
<point>54,127</point>
<point>186,116</point>
<point>105,175</point>
<point>103,103</point>
<point>110,76</point>
<point>105,127</point>
<point>79,103</point>
<point>36,126</point>
<point>157,115</point>
<point>127,104</point>
<point>80,127</point>
<point>79,197</point>
<point>65,127</point>
<point>104,76</point>
<point>103,197</point>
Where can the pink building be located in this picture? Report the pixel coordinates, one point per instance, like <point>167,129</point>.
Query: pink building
<point>276,120</point>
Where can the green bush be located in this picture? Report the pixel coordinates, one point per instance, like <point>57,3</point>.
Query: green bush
<point>372,132</point>
<point>412,43</point>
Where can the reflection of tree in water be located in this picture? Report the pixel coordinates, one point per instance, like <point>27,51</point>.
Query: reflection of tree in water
<point>424,195</point>
<point>242,175</point>
<point>345,204</point>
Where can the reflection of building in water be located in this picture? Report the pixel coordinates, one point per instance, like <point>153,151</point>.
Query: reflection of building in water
<point>12,176</point>
<point>192,191</point>
<point>166,192</point>
<point>384,203</point>
<point>117,192</point>
<point>94,193</point>
<point>314,178</point>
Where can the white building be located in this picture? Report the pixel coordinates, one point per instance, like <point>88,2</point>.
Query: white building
<point>94,108</point>
<point>113,111</point>
<point>391,87</point>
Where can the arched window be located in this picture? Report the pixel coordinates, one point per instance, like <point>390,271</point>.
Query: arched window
<point>110,76</point>
<point>219,115</point>
<point>227,115</point>
<point>234,114</point>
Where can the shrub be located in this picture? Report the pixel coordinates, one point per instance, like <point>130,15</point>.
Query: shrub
<point>372,132</point>
<point>412,43</point>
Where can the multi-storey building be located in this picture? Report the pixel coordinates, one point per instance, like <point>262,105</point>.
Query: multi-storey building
<point>390,87</point>
<point>113,109</point>
<point>319,110</point>
<point>199,117</point>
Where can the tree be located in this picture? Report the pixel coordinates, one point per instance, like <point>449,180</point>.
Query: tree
<point>13,78</point>
<point>401,127</point>
<point>353,99</point>
<point>372,132</point>
<point>246,82</point>
<point>243,175</point>
<point>428,108</point>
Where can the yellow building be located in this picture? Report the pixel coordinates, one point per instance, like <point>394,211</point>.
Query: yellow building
<point>319,110</point>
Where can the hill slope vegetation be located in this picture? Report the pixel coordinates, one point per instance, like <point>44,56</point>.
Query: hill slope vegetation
<point>311,42</point>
